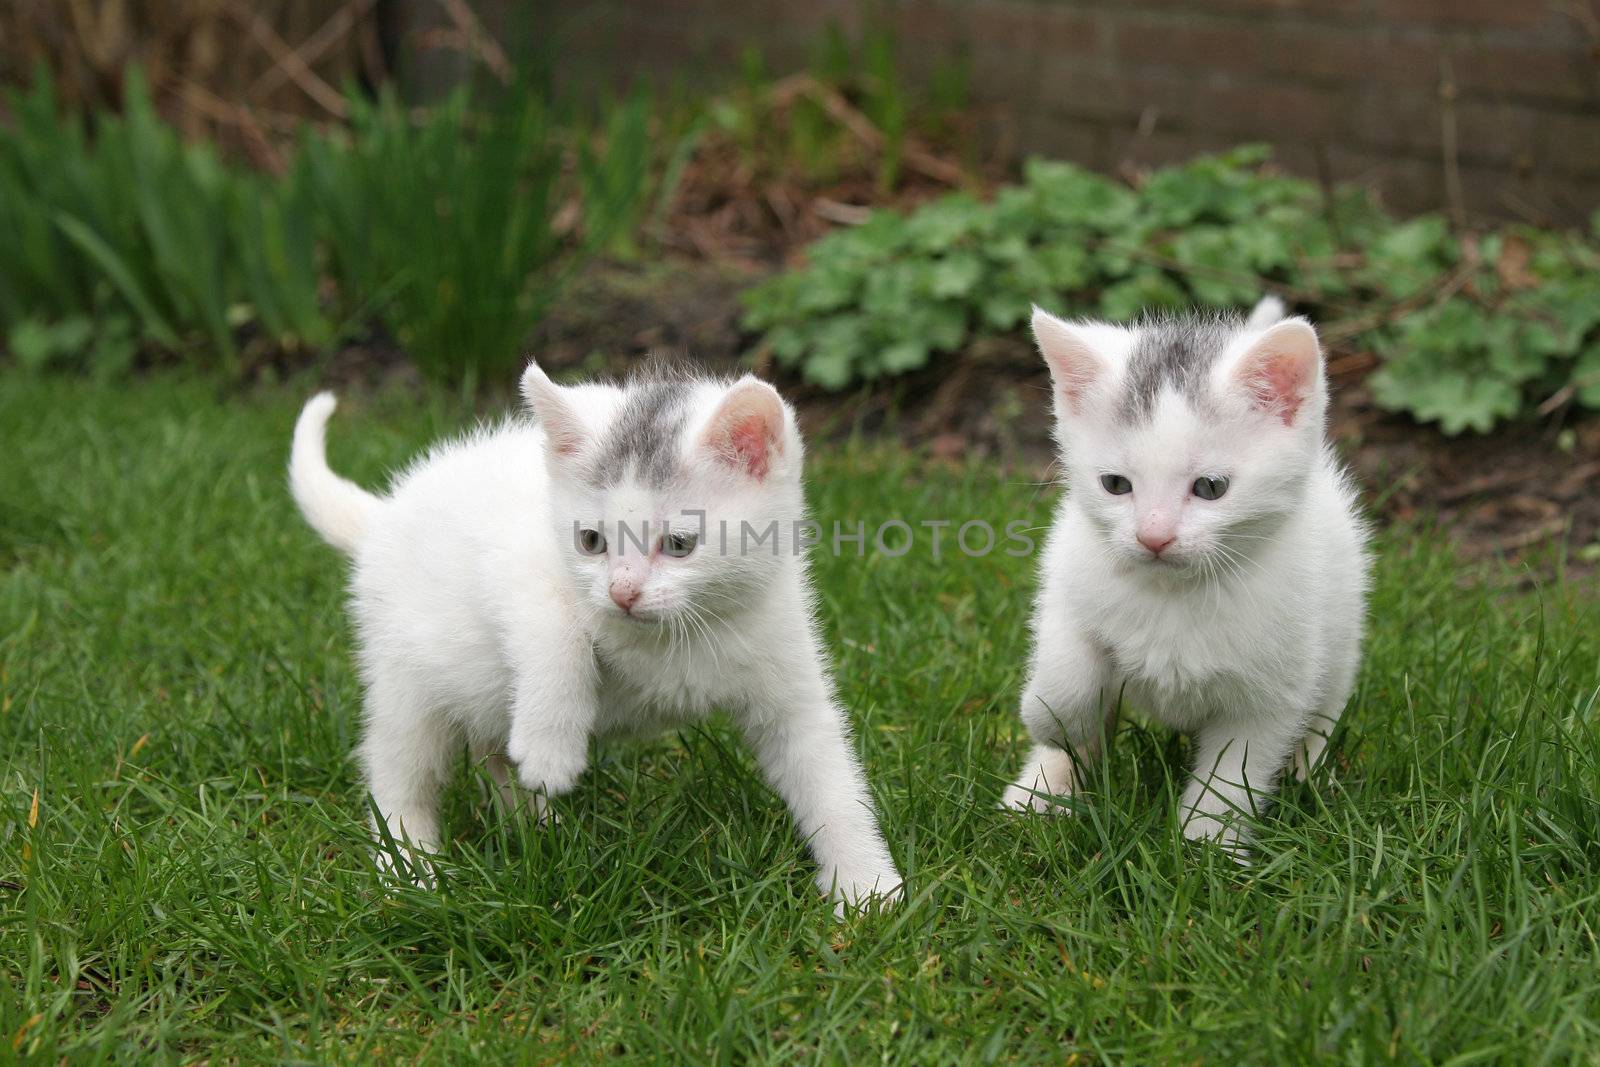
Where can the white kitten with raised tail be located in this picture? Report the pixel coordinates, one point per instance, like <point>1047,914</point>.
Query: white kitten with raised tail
<point>1207,564</point>
<point>628,559</point>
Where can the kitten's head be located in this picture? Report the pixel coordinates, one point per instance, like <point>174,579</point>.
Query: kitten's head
<point>1186,441</point>
<point>668,489</point>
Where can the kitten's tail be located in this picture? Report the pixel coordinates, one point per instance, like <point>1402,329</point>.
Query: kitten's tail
<point>1268,312</point>
<point>336,507</point>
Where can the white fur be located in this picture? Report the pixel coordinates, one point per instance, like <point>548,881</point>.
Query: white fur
<point>1246,632</point>
<point>479,619</point>
<point>336,508</point>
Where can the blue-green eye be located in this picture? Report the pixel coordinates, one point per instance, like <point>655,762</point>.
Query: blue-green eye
<point>1209,488</point>
<point>1116,484</point>
<point>678,545</point>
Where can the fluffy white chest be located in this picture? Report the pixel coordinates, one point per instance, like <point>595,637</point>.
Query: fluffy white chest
<point>655,681</point>
<point>1190,656</point>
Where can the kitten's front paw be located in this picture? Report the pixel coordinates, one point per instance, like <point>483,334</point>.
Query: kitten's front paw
<point>413,865</point>
<point>1204,828</point>
<point>532,806</point>
<point>1019,797</point>
<point>548,770</point>
<point>882,889</point>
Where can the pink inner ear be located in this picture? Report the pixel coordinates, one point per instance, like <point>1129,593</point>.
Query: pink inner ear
<point>1279,386</point>
<point>747,439</point>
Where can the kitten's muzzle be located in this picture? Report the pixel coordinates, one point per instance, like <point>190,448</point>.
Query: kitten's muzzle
<point>1156,542</point>
<point>625,591</point>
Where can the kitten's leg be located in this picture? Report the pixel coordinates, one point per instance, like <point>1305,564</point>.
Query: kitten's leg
<point>406,751</point>
<point>1048,772</point>
<point>1308,753</point>
<point>553,710</point>
<point>1070,708</point>
<point>1322,721</point>
<point>804,748</point>
<point>509,796</point>
<point>1236,769</point>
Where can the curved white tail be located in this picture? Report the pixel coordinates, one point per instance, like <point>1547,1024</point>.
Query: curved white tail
<point>336,507</point>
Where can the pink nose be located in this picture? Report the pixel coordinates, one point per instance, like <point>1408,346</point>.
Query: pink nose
<point>624,595</point>
<point>1156,542</point>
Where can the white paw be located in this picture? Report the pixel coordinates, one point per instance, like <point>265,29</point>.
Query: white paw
<point>525,805</point>
<point>1204,828</point>
<point>882,889</point>
<point>544,813</point>
<point>1022,799</point>
<point>414,866</point>
<point>548,770</point>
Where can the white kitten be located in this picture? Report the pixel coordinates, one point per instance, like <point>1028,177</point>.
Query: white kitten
<point>1206,563</point>
<point>596,570</point>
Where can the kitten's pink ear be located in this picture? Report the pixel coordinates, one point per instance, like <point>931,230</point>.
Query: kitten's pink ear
<point>548,402</point>
<point>1280,369</point>
<point>1074,364</point>
<point>746,430</point>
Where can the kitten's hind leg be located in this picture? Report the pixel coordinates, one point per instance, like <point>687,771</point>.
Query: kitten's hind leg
<point>510,799</point>
<point>406,751</point>
<point>1308,753</point>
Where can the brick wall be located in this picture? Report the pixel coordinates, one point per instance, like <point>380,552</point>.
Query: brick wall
<point>1500,100</point>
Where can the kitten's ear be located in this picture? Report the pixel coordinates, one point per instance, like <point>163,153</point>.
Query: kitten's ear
<point>746,430</point>
<point>1281,368</point>
<point>548,402</point>
<point>1074,364</point>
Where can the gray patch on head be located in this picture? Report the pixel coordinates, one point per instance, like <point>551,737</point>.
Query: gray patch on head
<point>1176,352</point>
<point>643,439</point>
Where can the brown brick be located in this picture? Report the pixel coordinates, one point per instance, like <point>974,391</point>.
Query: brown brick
<point>1183,42</point>
<point>1006,79</point>
<point>1486,13</point>
<point>1267,112</point>
<point>1316,10</point>
<point>1129,148</point>
<point>1054,136</point>
<point>1408,185</point>
<point>1567,145</point>
<point>1088,89</point>
<point>1072,32</point>
<point>1344,55</point>
<point>1027,26</point>
<point>1569,73</point>
<point>1155,80</point>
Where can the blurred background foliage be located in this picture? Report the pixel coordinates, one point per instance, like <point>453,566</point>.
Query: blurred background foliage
<point>249,188</point>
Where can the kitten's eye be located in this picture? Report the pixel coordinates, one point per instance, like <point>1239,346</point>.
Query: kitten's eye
<point>1209,488</point>
<point>678,545</point>
<point>591,542</point>
<point>1116,484</point>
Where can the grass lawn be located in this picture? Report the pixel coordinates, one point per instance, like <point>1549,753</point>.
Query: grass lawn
<point>183,870</point>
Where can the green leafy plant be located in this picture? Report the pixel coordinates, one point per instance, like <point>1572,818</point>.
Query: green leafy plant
<point>883,297</point>
<point>448,227</point>
<point>451,227</point>
<point>1469,332</point>
<point>149,240</point>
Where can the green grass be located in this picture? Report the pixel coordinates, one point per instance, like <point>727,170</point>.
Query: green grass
<point>176,688</point>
